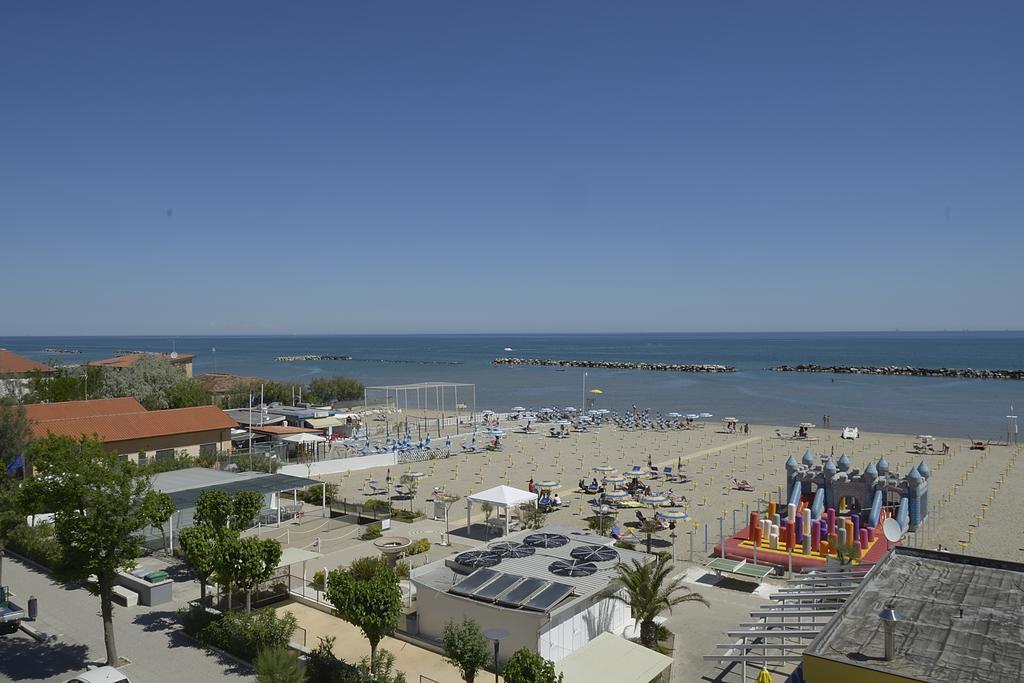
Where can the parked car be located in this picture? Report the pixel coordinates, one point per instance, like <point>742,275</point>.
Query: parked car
<point>101,674</point>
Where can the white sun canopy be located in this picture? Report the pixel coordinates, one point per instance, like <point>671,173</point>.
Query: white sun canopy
<point>502,496</point>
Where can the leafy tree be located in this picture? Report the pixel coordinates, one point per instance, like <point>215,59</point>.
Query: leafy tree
<point>330,389</point>
<point>213,509</point>
<point>487,509</point>
<point>245,507</point>
<point>533,518</point>
<point>412,484</point>
<point>648,592</point>
<point>65,384</point>
<point>159,508</point>
<point>11,515</point>
<point>186,393</point>
<point>100,505</point>
<point>15,433</point>
<point>252,561</point>
<point>465,647</point>
<point>149,380</point>
<point>279,665</point>
<point>526,666</point>
<point>199,546</point>
<point>367,596</point>
<point>599,523</point>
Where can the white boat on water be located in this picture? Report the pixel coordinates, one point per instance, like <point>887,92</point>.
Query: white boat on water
<point>850,433</point>
<point>508,348</point>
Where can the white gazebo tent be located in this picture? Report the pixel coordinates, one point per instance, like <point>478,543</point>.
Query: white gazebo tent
<point>501,496</point>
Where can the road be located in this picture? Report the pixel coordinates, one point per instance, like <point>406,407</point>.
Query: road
<point>150,638</point>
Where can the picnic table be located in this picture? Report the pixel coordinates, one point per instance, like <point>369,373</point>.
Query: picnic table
<point>721,565</point>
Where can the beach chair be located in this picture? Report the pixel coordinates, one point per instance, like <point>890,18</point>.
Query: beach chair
<point>668,474</point>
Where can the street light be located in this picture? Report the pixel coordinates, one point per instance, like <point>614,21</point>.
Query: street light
<point>497,635</point>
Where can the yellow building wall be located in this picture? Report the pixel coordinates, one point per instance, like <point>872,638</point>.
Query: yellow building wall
<point>189,443</point>
<point>818,670</point>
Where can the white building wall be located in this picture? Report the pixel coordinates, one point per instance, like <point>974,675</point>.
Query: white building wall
<point>570,631</point>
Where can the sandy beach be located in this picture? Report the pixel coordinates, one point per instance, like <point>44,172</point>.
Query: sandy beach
<point>964,485</point>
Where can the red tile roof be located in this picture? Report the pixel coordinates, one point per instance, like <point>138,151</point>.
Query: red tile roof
<point>129,359</point>
<point>135,425</point>
<point>13,364</point>
<point>70,410</point>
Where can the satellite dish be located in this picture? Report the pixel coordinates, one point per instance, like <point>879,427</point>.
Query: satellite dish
<point>892,530</point>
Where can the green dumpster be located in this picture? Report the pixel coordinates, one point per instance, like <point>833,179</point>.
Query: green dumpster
<point>156,577</point>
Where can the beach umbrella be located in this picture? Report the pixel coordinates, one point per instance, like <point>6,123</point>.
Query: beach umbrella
<point>615,479</point>
<point>616,495</point>
<point>673,515</point>
<point>730,419</point>
<point>765,676</point>
<point>414,475</point>
<point>654,499</point>
<point>633,474</point>
<point>675,414</point>
<point>596,391</point>
<point>706,415</point>
<point>692,416</point>
<point>604,468</point>
<point>548,484</point>
<point>518,409</point>
<point>806,425</point>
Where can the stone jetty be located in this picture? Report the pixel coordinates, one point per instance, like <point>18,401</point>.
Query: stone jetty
<point>310,356</point>
<point>66,351</point>
<point>903,371</point>
<point>615,365</point>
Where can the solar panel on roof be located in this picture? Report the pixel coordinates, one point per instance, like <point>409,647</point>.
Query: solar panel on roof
<point>515,596</point>
<point>549,597</point>
<point>473,582</point>
<point>495,588</point>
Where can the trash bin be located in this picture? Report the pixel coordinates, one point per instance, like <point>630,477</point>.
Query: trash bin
<point>33,607</point>
<point>156,577</point>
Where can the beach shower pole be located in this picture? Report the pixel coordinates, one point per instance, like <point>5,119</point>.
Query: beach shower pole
<point>721,533</point>
<point>690,534</point>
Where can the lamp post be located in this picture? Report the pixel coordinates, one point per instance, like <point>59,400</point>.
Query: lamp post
<point>497,635</point>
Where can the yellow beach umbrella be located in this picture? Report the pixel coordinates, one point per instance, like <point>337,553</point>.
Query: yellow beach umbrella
<point>596,391</point>
<point>765,676</point>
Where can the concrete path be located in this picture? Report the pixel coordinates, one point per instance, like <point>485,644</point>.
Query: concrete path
<point>149,637</point>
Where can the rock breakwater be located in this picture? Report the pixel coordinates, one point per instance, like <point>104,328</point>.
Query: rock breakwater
<point>308,357</point>
<point>903,371</point>
<point>615,365</point>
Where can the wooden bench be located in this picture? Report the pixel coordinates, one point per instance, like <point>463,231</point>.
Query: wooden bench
<point>721,565</point>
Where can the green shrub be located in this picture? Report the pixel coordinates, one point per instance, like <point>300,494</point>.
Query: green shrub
<point>279,665</point>
<point>420,546</point>
<point>626,545</point>
<point>319,576</point>
<point>371,504</point>
<point>402,570</point>
<point>36,543</point>
<point>372,531</point>
<point>526,666</point>
<point>322,666</point>
<point>402,515</point>
<point>315,496</point>
<point>245,634</point>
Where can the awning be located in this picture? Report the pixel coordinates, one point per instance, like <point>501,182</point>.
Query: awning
<point>304,438</point>
<point>611,659</point>
<point>325,422</point>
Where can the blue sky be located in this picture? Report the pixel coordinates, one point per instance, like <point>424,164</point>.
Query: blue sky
<point>332,167</point>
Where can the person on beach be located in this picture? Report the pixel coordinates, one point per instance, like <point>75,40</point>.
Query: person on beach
<point>531,487</point>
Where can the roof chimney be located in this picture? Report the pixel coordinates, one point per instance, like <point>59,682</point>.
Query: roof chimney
<point>889,617</point>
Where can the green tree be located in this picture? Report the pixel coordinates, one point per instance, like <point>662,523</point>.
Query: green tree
<point>279,665</point>
<point>649,592</point>
<point>411,484</point>
<point>186,393</point>
<point>331,389</point>
<point>465,647</point>
<point>159,508</point>
<point>533,518</point>
<point>11,514</point>
<point>199,546</point>
<point>526,666</point>
<point>15,433</point>
<point>149,380</point>
<point>252,561</point>
<point>213,509</point>
<point>245,507</point>
<point>100,505</point>
<point>367,596</point>
<point>65,384</point>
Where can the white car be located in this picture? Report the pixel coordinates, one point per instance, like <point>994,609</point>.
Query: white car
<point>850,433</point>
<point>101,674</point>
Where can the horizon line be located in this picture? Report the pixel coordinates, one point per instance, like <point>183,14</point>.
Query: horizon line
<point>511,334</point>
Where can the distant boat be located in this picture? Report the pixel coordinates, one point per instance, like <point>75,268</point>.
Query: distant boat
<point>508,348</point>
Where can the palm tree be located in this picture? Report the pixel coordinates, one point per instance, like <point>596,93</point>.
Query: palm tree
<point>648,592</point>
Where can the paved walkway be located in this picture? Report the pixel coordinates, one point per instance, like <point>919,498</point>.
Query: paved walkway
<point>147,636</point>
